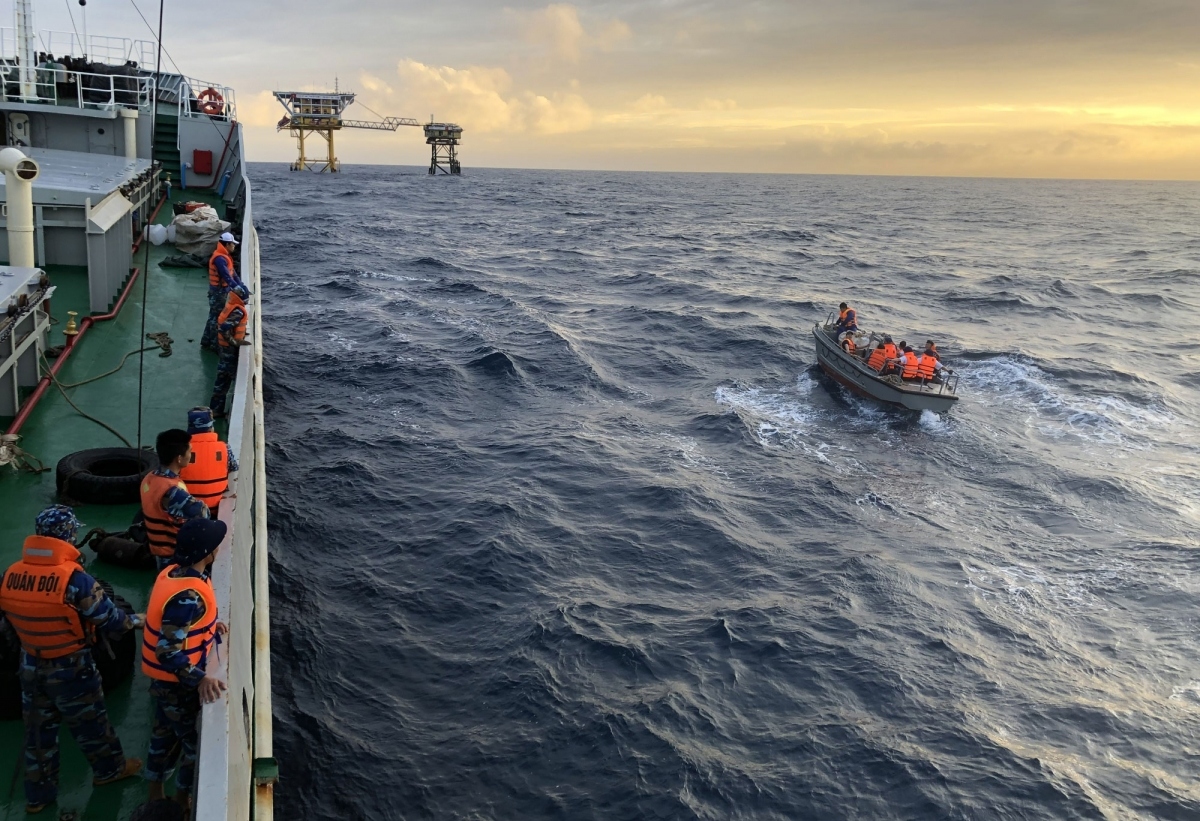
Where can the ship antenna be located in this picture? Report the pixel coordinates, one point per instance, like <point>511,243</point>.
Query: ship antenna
<point>146,228</point>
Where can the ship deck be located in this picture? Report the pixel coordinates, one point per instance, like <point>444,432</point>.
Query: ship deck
<point>176,303</point>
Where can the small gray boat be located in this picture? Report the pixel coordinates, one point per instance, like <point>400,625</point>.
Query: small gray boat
<point>851,371</point>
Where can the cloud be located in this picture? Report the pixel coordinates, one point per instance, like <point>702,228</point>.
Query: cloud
<point>372,83</point>
<point>559,29</point>
<point>649,103</point>
<point>612,34</point>
<point>481,100</point>
<point>562,114</point>
<point>259,110</point>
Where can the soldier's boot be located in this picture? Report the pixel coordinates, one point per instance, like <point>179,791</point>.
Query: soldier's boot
<point>184,799</point>
<point>30,809</point>
<point>132,766</point>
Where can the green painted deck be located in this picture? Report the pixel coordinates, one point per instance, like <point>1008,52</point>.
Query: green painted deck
<point>176,303</point>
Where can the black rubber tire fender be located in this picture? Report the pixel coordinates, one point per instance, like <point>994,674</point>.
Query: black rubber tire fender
<point>10,664</point>
<point>118,666</point>
<point>104,476</point>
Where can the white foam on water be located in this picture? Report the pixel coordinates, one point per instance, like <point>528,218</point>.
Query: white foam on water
<point>785,420</point>
<point>390,277</point>
<point>343,342</point>
<point>687,451</point>
<point>1108,420</point>
<point>934,422</point>
<point>1027,588</point>
<point>1186,692</point>
<point>1173,488</point>
<point>776,414</point>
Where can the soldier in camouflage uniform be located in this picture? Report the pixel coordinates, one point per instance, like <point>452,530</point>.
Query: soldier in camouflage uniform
<point>59,680</point>
<point>221,277</point>
<point>232,333</point>
<point>182,633</point>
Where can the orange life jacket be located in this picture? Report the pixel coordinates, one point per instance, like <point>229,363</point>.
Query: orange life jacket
<point>239,331</point>
<point>926,366</point>
<point>207,475</point>
<point>890,351</point>
<point>848,345</point>
<point>214,276</point>
<point>159,526</point>
<point>848,319</point>
<point>200,637</point>
<point>34,598</point>
<point>912,361</point>
<point>878,357</point>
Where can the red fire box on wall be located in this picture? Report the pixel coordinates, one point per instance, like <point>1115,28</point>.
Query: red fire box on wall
<point>202,162</point>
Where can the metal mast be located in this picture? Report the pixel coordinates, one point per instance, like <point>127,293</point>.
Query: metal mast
<point>26,48</point>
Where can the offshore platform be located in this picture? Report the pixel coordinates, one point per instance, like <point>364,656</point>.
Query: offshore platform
<point>319,114</point>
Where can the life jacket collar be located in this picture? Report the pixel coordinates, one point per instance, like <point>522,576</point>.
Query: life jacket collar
<point>49,551</point>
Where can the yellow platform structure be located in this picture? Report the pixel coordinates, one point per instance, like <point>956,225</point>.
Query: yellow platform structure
<point>320,113</point>
<point>310,114</point>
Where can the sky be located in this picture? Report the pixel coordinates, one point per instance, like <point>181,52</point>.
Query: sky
<point>1008,88</point>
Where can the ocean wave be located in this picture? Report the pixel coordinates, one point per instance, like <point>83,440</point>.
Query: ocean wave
<point>1110,420</point>
<point>566,463</point>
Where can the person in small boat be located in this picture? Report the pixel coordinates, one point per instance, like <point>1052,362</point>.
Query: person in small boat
<point>878,357</point>
<point>895,364</point>
<point>931,368</point>
<point>890,353</point>
<point>931,350</point>
<point>927,366</point>
<point>848,345</point>
<point>55,608</point>
<point>847,321</point>
<point>912,364</point>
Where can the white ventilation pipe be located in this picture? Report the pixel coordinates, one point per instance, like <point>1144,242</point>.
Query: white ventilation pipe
<point>19,173</point>
<point>131,118</point>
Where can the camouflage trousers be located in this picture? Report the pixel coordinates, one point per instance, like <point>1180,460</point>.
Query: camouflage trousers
<point>226,372</point>
<point>216,304</point>
<point>175,733</point>
<point>57,691</point>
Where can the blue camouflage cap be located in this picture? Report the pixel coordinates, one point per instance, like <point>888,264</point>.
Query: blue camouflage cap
<point>58,522</point>
<point>241,290</point>
<point>196,539</point>
<point>200,420</point>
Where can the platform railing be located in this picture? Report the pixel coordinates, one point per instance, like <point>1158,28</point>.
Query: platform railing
<point>80,89</point>
<point>115,51</point>
<point>188,99</point>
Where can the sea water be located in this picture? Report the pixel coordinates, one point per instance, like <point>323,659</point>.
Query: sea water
<point>565,523</point>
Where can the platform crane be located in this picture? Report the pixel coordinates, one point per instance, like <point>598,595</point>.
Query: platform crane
<point>320,113</point>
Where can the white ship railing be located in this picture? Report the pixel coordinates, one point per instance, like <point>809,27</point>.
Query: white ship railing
<point>102,92</point>
<point>235,772</point>
<point>188,91</point>
<point>115,51</point>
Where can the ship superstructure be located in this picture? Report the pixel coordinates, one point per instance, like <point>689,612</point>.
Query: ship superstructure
<point>98,145</point>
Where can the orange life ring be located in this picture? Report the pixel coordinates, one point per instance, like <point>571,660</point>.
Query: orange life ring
<point>211,102</point>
